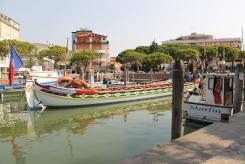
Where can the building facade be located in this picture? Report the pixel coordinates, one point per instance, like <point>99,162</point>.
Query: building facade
<point>205,40</point>
<point>9,28</point>
<point>86,39</point>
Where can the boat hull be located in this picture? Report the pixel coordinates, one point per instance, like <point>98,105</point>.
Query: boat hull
<point>207,112</point>
<point>51,100</point>
<point>53,96</point>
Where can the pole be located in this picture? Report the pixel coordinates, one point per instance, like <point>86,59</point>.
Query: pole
<point>66,55</point>
<point>205,57</point>
<point>177,99</point>
<point>242,51</point>
<point>151,76</point>
<point>239,76</point>
<point>125,76</point>
<point>90,70</point>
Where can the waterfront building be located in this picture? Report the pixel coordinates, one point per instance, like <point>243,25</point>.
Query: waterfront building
<point>9,28</point>
<point>205,40</point>
<point>86,39</point>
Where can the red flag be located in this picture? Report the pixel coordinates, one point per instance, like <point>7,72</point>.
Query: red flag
<point>11,72</point>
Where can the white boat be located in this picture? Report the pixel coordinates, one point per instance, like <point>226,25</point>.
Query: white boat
<point>217,103</point>
<point>54,96</point>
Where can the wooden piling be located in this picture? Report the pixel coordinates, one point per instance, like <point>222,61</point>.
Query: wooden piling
<point>177,99</point>
<point>238,88</point>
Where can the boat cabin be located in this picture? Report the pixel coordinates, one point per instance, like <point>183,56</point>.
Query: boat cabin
<point>220,88</point>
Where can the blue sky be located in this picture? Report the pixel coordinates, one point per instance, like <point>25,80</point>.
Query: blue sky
<point>127,23</point>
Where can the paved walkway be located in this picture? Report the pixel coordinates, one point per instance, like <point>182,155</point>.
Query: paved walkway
<point>218,143</point>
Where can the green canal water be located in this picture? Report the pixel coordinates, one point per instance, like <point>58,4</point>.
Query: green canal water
<point>91,135</point>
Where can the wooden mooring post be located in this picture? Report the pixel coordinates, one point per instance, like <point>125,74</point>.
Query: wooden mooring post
<point>177,99</point>
<point>239,77</point>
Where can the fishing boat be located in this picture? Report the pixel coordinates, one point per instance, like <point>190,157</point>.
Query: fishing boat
<point>216,102</point>
<point>60,96</point>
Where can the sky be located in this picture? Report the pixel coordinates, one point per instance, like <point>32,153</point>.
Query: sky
<point>127,23</point>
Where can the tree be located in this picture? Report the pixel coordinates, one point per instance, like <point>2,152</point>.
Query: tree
<point>57,53</point>
<point>232,54</point>
<point>187,55</point>
<point>136,58</point>
<point>123,57</point>
<point>153,47</point>
<point>83,58</point>
<point>211,52</point>
<point>24,49</point>
<point>155,60</point>
<point>142,49</point>
<point>4,48</point>
<point>131,57</point>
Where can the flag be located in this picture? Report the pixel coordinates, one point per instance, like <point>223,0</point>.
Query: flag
<point>15,64</point>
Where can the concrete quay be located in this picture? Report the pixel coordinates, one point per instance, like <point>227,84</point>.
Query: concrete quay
<point>221,142</point>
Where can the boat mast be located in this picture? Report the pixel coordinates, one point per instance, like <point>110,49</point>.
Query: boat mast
<point>67,51</point>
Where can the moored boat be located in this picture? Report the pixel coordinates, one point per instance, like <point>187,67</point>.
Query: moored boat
<point>216,102</point>
<point>56,96</point>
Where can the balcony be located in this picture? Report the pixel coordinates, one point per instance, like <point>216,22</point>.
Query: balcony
<point>93,42</point>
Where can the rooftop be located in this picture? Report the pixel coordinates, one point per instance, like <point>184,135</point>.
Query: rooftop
<point>9,21</point>
<point>201,41</point>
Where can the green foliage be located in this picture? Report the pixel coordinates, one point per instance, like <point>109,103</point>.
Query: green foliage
<point>153,47</point>
<point>25,48</point>
<point>4,48</point>
<point>57,53</point>
<point>187,54</point>
<point>123,57</point>
<point>241,55</point>
<point>142,49</point>
<point>131,58</point>
<point>154,61</point>
<point>82,58</point>
<point>232,53</point>
<point>211,52</point>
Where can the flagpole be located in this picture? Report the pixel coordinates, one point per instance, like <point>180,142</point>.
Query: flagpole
<point>13,46</point>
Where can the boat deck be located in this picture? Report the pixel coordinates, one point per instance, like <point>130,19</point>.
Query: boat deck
<point>221,142</point>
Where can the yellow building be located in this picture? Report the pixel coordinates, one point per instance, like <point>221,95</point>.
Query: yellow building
<point>9,28</point>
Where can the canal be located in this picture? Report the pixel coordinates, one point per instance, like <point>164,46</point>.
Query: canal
<point>105,134</point>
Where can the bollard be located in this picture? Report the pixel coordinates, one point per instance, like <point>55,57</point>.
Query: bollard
<point>238,88</point>
<point>177,99</point>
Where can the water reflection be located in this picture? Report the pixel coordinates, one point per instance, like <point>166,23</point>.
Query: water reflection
<point>112,133</point>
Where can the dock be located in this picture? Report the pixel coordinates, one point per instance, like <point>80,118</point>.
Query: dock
<point>220,142</point>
